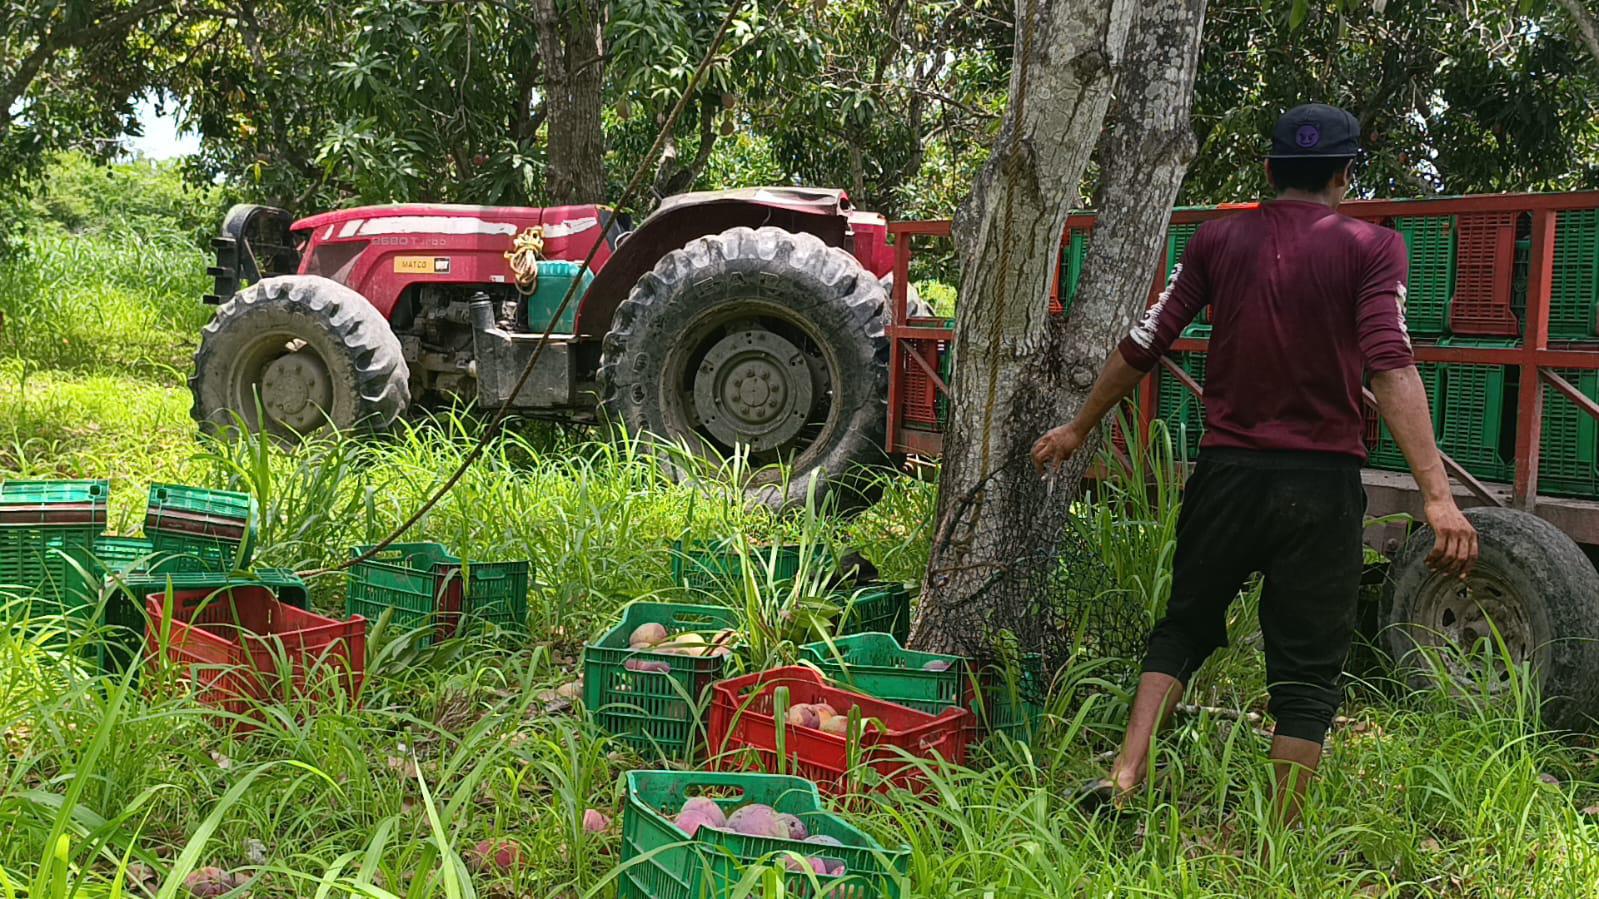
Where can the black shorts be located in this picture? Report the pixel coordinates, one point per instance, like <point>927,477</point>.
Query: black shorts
<point>1297,518</point>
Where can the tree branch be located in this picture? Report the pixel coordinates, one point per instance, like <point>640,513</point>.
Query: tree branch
<point>1586,25</point>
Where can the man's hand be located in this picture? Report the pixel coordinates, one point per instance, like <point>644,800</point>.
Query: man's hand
<point>1055,447</point>
<point>1455,551</point>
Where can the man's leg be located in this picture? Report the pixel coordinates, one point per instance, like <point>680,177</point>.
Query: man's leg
<point>1307,617</point>
<point>1215,549</point>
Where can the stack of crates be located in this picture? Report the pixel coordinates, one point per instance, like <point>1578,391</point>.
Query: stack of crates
<point>1430,242</point>
<point>1183,412</point>
<point>201,530</point>
<point>423,586</point>
<point>127,586</point>
<point>47,535</point>
<point>1568,455</point>
<point>1574,287</point>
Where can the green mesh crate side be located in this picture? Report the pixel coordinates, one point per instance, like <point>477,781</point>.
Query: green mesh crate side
<point>1519,276</point>
<point>881,609</point>
<point>1574,286</point>
<point>1183,412</point>
<point>46,561</point>
<point>49,493</point>
<point>706,569</point>
<point>229,504</point>
<point>403,579</point>
<point>1177,238</point>
<point>1071,268</point>
<point>875,664</point>
<point>496,592</point>
<point>1430,241</point>
<point>659,861</point>
<point>1568,455</point>
<point>1386,454</point>
<point>1471,426</point>
<point>653,711</point>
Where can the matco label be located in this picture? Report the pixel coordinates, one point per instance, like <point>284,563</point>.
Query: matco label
<point>422,265</point>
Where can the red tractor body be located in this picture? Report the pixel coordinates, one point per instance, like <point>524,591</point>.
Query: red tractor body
<point>750,318</point>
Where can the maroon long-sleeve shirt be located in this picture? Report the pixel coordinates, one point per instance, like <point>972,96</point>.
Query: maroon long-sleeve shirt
<point>1302,300</point>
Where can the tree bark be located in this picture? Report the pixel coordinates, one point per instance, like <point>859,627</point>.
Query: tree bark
<point>1020,371</point>
<point>675,177</point>
<point>572,46</point>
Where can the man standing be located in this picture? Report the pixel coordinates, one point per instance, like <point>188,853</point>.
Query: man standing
<point>1303,301</point>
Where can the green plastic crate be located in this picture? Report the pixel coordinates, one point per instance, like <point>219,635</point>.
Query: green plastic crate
<point>47,531</point>
<point>1574,286</point>
<point>1568,455</point>
<point>1472,427</point>
<point>123,594</point>
<point>1386,454</point>
<point>422,585</point>
<point>875,664</point>
<point>709,569</point>
<point>1430,241</point>
<point>877,608</point>
<point>659,861</point>
<point>653,711</point>
<point>946,370</point>
<point>201,529</point>
<point>1072,257</point>
<point>1177,238</point>
<point>1183,412</point>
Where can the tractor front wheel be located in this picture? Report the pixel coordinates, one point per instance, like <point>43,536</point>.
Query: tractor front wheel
<point>291,355</point>
<point>761,341</point>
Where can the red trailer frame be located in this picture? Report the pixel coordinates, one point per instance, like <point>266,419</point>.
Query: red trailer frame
<point>1388,492</point>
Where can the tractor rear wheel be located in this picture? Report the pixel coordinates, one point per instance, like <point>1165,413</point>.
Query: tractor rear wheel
<point>762,339</point>
<point>1531,603</point>
<point>290,355</point>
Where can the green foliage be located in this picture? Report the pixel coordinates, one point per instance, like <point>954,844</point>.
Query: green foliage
<point>150,199</point>
<point>1453,98</point>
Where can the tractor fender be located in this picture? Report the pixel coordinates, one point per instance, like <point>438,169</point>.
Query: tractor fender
<point>691,217</point>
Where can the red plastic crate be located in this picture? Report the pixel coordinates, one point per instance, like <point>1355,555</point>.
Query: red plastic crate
<point>918,394</point>
<point>233,644</point>
<point>744,734</point>
<point>1485,259</point>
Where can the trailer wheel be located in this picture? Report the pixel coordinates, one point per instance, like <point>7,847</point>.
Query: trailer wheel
<point>312,351</point>
<point>1532,586</point>
<point>762,339</point>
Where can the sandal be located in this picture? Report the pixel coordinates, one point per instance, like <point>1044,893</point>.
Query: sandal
<point>1101,795</point>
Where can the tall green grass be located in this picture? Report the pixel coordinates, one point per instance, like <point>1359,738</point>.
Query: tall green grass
<point>108,785</point>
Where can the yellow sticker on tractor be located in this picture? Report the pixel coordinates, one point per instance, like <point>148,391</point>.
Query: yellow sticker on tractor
<point>422,265</point>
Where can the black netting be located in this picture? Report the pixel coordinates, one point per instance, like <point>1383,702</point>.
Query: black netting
<point>1057,606</point>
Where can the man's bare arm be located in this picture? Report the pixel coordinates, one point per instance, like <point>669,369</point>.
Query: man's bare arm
<point>1403,401</point>
<point>1116,380</point>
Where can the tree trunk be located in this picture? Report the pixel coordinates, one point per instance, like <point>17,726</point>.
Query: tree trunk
<point>1019,371</point>
<point>573,63</point>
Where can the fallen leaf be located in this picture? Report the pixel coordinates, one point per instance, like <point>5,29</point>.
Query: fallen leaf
<point>221,760</point>
<point>1550,779</point>
<point>255,852</point>
<point>1591,811</point>
<point>1431,845</point>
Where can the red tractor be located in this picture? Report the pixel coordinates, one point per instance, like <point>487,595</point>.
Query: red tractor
<point>751,318</point>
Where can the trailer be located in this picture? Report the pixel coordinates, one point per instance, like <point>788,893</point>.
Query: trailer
<point>1503,308</point>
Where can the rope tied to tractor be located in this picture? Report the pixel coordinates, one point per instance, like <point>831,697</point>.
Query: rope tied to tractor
<point>523,257</point>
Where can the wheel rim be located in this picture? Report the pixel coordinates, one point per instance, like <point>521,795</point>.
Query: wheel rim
<point>279,384</point>
<point>1470,620</point>
<point>754,375</point>
<point>753,387</point>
